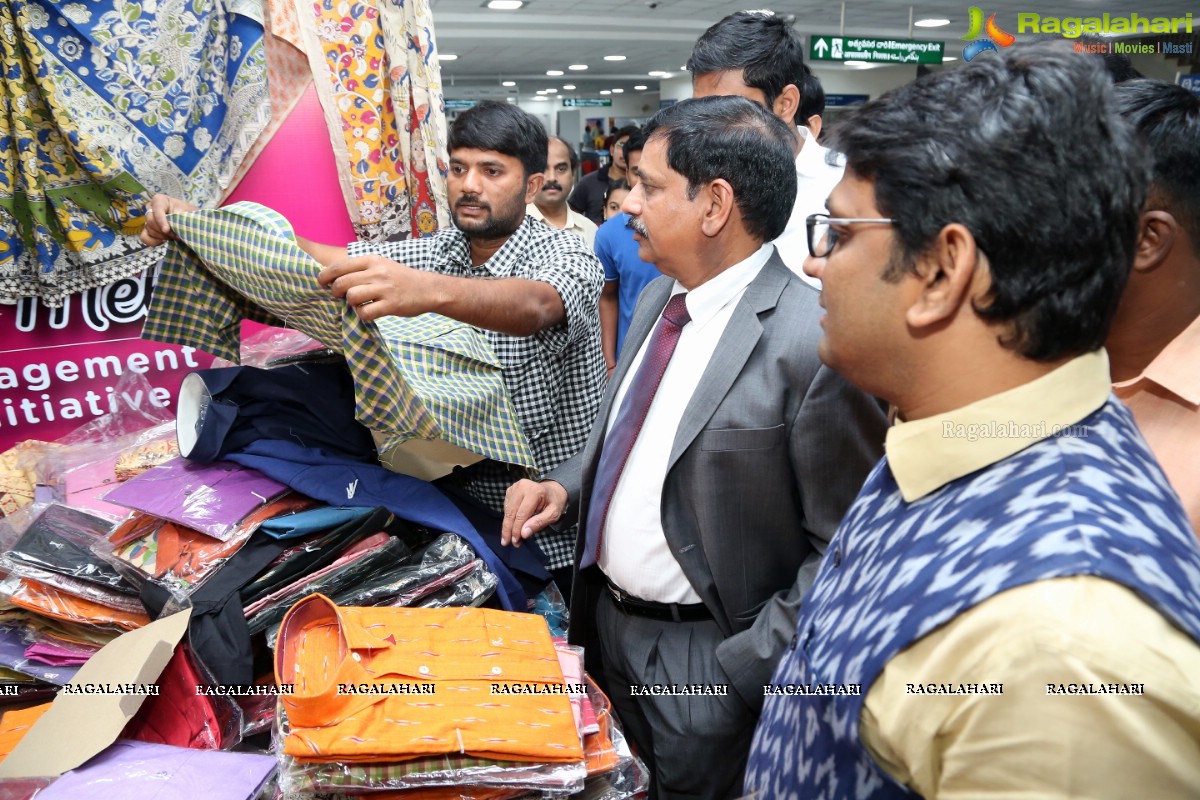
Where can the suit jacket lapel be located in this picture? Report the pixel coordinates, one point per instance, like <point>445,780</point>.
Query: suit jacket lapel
<point>737,342</point>
<point>649,307</point>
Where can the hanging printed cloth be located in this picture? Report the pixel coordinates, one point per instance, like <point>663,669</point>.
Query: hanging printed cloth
<point>376,71</point>
<point>104,103</point>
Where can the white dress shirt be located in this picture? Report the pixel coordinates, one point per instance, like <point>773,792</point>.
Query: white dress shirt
<point>815,179</point>
<point>634,552</point>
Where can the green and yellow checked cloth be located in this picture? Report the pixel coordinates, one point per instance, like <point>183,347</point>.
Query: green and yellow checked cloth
<point>426,377</point>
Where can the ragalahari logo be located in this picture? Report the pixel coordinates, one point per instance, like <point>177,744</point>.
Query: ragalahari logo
<point>995,36</point>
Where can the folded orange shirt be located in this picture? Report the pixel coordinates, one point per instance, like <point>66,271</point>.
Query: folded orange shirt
<point>464,653</point>
<point>42,599</point>
<point>16,723</point>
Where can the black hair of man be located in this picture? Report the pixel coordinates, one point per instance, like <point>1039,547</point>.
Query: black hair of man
<point>1167,117</point>
<point>812,99</point>
<point>628,130</point>
<point>635,142</point>
<point>1025,149</point>
<point>572,156</point>
<point>763,45</point>
<point>504,128</point>
<point>740,141</point>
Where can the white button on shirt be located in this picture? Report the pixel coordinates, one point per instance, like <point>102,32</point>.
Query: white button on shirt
<point>634,552</point>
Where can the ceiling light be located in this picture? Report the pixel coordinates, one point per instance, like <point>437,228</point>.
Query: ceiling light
<point>552,91</point>
<point>554,73</point>
<point>578,67</point>
<point>614,58</point>
<point>856,64</point>
<point>605,91</point>
<point>640,88</point>
<point>568,86</point>
<point>541,91</point>
<point>658,73</point>
<point>949,58</point>
<point>541,98</point>
<point>932,22</point>
<point>447,57</point>
<point>505,5</point>
<point>508,83</point>
<point>684,67</point>
<point>618,91</point>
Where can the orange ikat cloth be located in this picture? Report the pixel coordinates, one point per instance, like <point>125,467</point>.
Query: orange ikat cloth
<point>465,653</point>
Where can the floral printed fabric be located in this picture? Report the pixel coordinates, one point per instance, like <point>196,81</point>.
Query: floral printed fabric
<point>103,103</point>
<point>375,66</point>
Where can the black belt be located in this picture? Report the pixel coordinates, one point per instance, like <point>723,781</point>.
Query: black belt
<point>667,612</point>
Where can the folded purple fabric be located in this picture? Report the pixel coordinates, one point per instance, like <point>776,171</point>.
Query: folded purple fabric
<point>144,771</point>
<point>12,655</point>
<point>212,498</point>
<point>56,656</point>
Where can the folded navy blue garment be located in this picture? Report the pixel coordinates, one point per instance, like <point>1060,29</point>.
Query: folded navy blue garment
<point>222,410</point>
<point>342,481</point>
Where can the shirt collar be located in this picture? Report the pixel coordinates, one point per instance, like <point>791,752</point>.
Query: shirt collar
<point>500,265</point>
<point>1174,368</point>
<point>708,298</point>
<point>810,161</point>
<point>926,454</point>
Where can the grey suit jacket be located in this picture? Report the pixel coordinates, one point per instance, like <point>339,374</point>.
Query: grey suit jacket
<point>772,449</point>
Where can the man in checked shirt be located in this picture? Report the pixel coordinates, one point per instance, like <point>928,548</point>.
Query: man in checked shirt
<point>539,308</point>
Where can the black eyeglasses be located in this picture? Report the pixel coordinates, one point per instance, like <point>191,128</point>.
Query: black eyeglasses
<point>823,237</point>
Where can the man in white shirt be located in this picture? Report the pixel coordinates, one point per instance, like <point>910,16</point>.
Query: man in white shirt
<point>723,455</point>
<point>550,204</point>
<point>759,56</point>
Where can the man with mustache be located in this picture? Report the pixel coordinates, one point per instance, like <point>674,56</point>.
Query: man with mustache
<point>550,204</point>
<point>533,290</point>
<point>723,457</point>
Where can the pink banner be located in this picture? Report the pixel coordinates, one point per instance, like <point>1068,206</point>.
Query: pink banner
<point>58,366</point>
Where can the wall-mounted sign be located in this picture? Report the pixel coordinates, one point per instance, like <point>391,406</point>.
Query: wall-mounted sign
<point>866,48</point>
<point>589,102</point>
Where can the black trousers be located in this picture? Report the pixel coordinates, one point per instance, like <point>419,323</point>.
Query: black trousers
<point>696,746</point>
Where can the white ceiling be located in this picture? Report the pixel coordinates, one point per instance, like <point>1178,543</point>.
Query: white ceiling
<point>658,35</point>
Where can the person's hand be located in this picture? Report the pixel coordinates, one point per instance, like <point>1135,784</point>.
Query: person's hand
<point>529,507</point>
<point>158,229</point>
<point>375,286</point>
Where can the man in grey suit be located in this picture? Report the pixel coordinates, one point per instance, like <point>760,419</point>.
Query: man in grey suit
<point>722,460</point>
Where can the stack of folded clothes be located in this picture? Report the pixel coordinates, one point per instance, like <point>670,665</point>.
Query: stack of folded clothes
<point>439,702</point>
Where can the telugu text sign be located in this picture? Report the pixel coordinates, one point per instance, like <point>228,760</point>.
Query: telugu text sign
<point>879,51</point>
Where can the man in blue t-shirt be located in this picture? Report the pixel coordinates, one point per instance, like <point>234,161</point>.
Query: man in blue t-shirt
<point>625,275</point>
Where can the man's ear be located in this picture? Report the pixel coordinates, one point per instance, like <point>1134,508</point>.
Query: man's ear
<point>533,185</point>
<point>951,273</point>
<point>718,203</point>
<point>787,104</point>
<point>1157,231</point>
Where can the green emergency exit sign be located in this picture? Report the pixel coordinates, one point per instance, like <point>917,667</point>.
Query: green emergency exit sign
<point>881,51</point>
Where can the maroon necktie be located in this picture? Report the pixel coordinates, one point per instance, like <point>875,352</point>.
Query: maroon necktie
<point>628,423</point>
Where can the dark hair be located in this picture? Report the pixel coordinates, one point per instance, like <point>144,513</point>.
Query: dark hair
<point>1117,65</point>
<point>762,44</point>
<point>1025,150</point>
<point>619,185</point>
<point>738,140</point>
<point>635,142</point>
<point>1167,118</point>
<point>628,130</point>
<point>504,128</point>
<point>572,156</point>
<point>812,99</point>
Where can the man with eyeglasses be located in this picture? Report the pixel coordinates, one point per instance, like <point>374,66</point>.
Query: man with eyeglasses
<point>723,456</point>
<point>1011,607</point>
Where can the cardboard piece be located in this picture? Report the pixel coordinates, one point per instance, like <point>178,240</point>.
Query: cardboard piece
<point>80,725</point>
